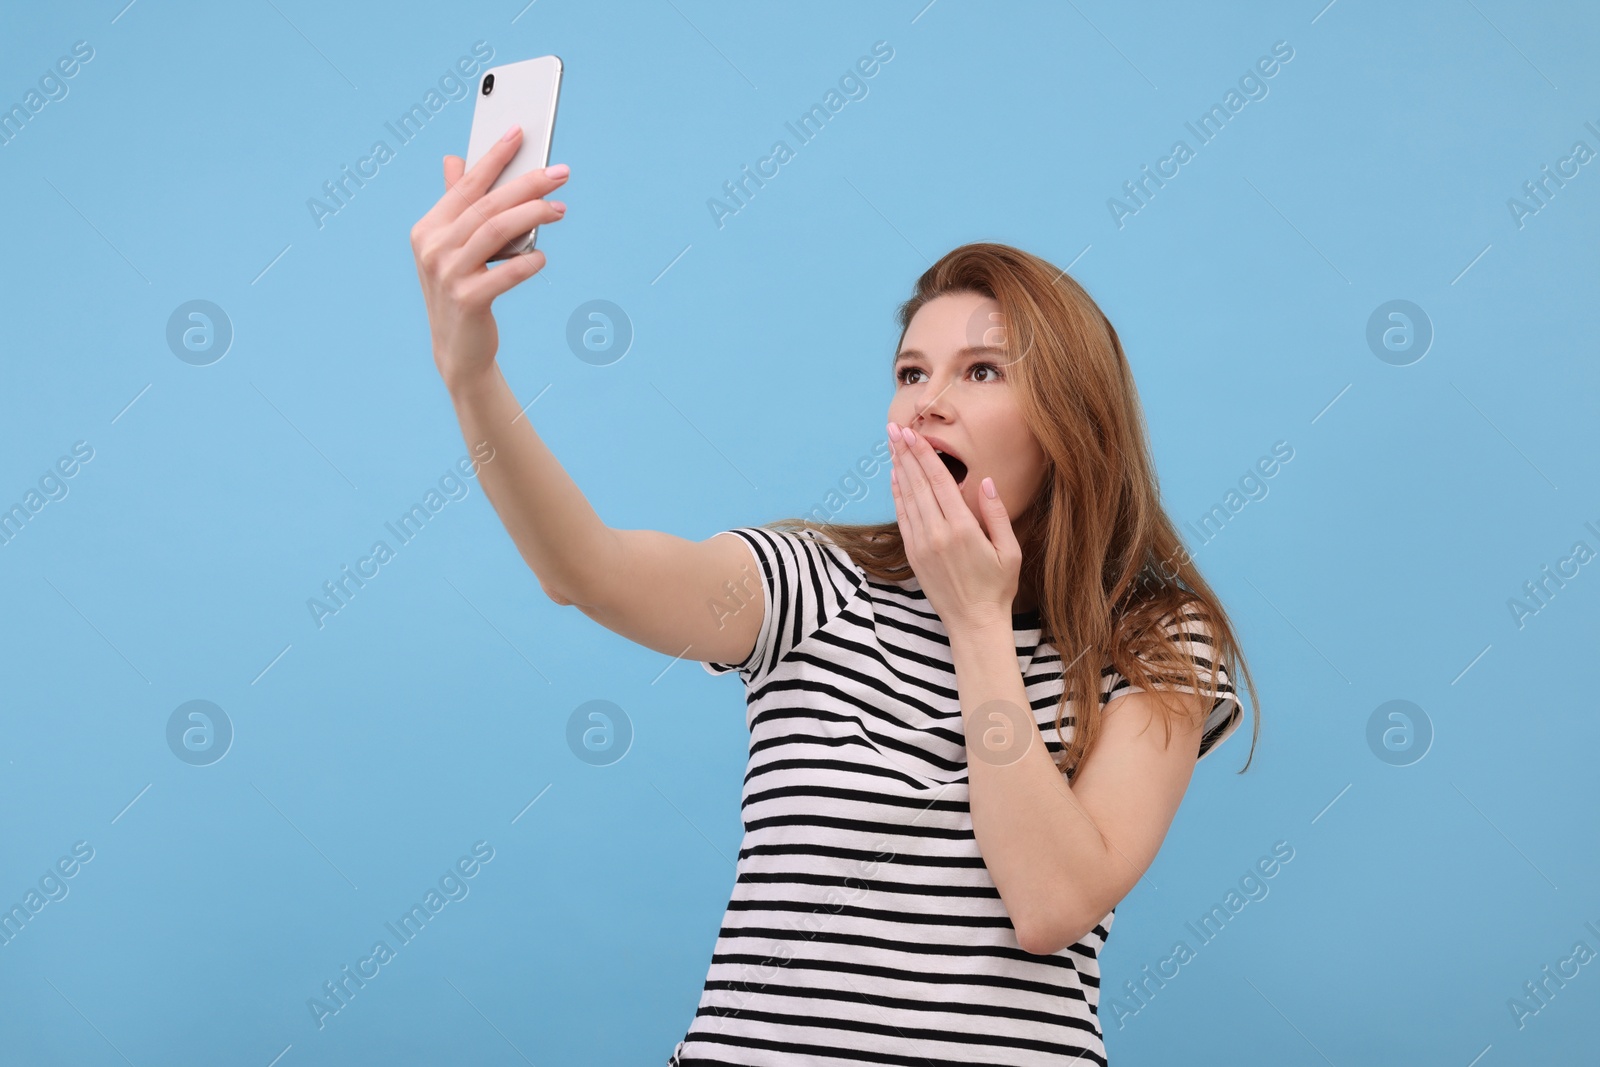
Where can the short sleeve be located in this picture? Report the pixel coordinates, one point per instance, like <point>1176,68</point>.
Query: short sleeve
<point>1194,637</point>
<point>807,579</point>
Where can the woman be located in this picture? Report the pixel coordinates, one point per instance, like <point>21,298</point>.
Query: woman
<point>941,811</point>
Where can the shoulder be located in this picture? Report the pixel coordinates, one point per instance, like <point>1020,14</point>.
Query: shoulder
<point>814,540</point>
<point>803,554</point>
<point>1186,627</point>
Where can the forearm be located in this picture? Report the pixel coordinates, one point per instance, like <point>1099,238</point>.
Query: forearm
<point>554,527</point>
<point>1039,846</point>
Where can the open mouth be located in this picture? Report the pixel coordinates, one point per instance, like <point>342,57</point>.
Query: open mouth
<point>958,469</point>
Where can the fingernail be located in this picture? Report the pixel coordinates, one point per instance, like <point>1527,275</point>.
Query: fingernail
<point>894,432</point>
<point>559,206</point>
<point>512,132</point>
<point>560,170</point>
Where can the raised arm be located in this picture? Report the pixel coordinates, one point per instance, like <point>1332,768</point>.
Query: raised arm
<point>697,599</point>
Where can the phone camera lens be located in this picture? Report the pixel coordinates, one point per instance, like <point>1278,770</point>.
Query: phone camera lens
<point>488,84</point>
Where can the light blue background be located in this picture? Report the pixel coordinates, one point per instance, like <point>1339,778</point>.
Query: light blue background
<point>371,753</point>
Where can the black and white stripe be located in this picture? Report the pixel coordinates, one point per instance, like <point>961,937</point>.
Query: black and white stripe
<point>863,925</point>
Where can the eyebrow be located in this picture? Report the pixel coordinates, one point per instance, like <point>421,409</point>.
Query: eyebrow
<point>964,353</point>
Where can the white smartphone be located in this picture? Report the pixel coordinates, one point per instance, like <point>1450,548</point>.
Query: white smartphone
<point>523,93</point>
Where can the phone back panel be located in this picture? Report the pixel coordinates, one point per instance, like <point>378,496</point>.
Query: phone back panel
<point>524,93</point>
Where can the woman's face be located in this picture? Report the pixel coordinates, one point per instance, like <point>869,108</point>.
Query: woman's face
<point>966,399</point>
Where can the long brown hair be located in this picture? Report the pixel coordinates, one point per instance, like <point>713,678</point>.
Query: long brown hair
<point>1105,562</point>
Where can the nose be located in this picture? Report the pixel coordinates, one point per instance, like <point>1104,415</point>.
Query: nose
<point>931,408</point>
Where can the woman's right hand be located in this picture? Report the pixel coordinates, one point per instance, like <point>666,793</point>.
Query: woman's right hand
<point>452,244</point>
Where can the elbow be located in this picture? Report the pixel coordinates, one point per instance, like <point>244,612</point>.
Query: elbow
<point>1032,943</point>
<point>565,602</point>
<point>1049,936</point>
<point>1043,941</point>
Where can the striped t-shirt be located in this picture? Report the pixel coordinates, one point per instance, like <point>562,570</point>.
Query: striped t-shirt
<point>863,925</point>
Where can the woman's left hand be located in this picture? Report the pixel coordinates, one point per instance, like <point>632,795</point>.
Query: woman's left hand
<point>969,576</point>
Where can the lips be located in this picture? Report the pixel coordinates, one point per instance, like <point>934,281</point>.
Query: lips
<point>956,466</point>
